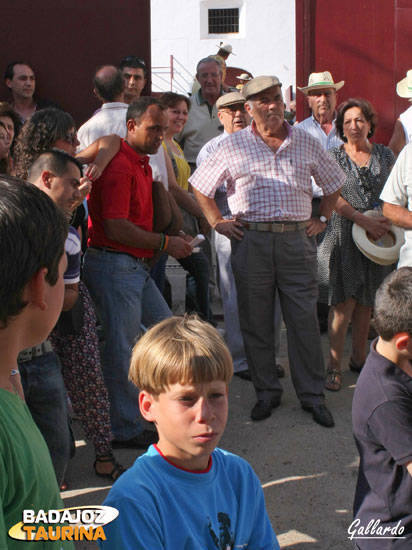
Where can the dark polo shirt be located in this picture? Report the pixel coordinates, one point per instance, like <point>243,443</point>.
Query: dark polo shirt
<point>382,426</point>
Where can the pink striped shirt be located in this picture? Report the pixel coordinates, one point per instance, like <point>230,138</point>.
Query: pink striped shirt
<point>267,186</point>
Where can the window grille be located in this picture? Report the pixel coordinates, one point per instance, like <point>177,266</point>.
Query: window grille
<point>223,21</point>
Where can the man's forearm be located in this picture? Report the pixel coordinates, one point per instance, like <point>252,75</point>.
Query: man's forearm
<point>124,232</point>
<point>327,204</point>
<point>398,215</point>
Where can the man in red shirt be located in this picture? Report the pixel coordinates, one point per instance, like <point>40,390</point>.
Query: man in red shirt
<point>121,240</point>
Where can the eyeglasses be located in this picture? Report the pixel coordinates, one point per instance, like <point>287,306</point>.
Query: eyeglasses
<point>319,93</point>
<point>209,75</point>
<point>233,109</point>
<point>132,59</point>
<point>71,137</point>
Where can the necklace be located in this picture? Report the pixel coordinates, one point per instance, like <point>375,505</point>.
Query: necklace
<point>360,158</point>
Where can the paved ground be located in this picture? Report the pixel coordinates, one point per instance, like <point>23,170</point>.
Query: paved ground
<point>308,472</point>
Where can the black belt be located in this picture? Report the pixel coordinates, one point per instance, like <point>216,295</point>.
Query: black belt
<point>274,227</point>
<point>37,351</point>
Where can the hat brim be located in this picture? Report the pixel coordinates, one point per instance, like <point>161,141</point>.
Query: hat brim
<point>402,89</point>
<point>336,86</point>
<point>382,255</point>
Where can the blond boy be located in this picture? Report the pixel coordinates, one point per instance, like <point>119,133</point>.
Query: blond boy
<point>184,492</point>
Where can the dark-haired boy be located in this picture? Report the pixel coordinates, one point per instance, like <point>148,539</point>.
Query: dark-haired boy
<point>382,424</point>
<point>32,237</point>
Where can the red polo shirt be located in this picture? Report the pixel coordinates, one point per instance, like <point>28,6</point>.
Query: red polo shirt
<point>124,191</point>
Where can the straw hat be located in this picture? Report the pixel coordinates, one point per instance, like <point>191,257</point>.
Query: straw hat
<point>226,47</point>
<point>384,253</point>
<point>318,81</point>
<point>244,76</point>
<point>404,87</point>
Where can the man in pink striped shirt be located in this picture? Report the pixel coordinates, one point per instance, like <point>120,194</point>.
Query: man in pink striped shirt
<point>267,169</point>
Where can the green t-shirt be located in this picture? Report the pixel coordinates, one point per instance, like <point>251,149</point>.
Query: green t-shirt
<point>27,478</point>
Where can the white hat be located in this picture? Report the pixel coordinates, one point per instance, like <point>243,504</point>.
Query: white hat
<point>226,47</point>
<point>319,81</point>
<point>244,76</point>
<point>404,86</point>
<point>384,253</point>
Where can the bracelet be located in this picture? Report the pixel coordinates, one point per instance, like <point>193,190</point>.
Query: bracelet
<point>166,243</point>
<point>162,241</point>
<point>14,372</point>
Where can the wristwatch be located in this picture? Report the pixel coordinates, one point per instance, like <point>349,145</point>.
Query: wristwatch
<point>323,219</point>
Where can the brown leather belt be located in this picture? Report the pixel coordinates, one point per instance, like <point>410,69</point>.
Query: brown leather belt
<point>274,227</point>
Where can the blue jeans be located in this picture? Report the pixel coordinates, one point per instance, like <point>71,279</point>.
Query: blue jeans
<point>125,297</point>
<point>45,396</point>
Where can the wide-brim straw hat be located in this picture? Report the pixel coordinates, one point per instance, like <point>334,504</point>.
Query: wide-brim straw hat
<point>384,253</point>
<point>226,47</point>
<point>404,86</point>
<point>244,76</point>
<point>319,81</point>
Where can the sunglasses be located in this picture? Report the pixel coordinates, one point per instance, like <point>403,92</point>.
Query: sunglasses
<point>132,59</point>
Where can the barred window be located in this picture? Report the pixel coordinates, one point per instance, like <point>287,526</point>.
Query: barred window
<point>223,21</point>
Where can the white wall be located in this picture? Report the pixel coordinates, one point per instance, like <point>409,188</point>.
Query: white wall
<point>264,45</point>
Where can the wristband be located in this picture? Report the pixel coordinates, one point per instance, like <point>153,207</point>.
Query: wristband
<point>14,372</point>
<point>166,243</point>
<point>162,241</point>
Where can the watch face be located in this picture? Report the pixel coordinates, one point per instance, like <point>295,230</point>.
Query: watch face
<point>323,219</point>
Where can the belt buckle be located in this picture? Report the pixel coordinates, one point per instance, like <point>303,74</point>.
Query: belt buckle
<point>279,227</point>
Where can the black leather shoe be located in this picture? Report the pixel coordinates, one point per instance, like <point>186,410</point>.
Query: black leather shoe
<point>263,409</point>
<point>321,415</point>
<point>244,374</point>
<point>280,370</point>
<point>141,441</point>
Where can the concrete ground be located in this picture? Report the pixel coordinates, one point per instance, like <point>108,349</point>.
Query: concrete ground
<point>308,472</point>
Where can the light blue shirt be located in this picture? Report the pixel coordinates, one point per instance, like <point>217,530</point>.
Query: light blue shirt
<point>328,141</point>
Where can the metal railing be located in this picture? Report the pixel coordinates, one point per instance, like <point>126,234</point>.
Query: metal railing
<point>173,77</point>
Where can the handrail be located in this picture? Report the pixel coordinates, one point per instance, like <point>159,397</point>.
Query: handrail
<point>177,77</point>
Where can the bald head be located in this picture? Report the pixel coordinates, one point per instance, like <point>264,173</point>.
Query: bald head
<point>108,84</point>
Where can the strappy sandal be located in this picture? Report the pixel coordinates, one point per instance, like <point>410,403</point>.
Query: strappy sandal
<point>117,470</point>
<point>354,367</point>
<point>333,380</point>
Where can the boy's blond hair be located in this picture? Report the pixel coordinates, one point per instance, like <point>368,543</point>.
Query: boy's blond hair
<point>179,350</point>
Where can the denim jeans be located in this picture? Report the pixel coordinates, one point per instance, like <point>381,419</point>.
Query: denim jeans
<point>46,398</point>
<point>126,298</point>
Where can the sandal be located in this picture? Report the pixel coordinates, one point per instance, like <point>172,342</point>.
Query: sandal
<point>333,380</point>
<point>117,470</point>
<point>354,367</point>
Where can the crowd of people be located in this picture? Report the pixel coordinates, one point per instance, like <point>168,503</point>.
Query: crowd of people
<point>276,204</point>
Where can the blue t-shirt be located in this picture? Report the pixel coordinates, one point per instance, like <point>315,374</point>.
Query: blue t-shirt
<point>164,507</point>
